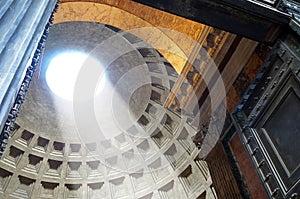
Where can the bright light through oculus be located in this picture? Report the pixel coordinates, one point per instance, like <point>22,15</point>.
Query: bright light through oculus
<point>63,71</point>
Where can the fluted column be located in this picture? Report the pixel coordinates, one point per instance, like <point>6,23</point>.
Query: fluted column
<point>23,30</point>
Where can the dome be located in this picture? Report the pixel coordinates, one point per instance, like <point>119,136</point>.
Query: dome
<point>111,137</point>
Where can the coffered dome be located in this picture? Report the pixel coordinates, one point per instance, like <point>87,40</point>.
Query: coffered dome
<point>112,138</point>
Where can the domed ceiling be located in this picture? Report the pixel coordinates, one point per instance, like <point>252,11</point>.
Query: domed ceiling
<point>110,136</point>
<point>111,62</point>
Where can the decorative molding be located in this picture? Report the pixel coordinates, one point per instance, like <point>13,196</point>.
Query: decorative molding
<point>290,7</point>
<point>280,66</point>
<point>190,79</point>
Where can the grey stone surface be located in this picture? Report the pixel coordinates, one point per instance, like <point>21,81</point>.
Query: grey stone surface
<point>118,143</point>
<point>128,82</point>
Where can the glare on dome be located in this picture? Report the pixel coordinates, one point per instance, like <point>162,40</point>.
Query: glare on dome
<point>63,71</point>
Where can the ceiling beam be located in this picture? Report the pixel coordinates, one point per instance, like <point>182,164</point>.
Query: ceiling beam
<point>250,19</point>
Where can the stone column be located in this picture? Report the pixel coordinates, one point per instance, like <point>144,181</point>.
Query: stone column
<point>23,29</point>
